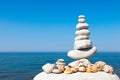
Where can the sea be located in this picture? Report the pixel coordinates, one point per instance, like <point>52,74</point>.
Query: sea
<point>26,65</point>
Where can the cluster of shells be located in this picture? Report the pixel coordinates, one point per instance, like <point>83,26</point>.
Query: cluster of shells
<point>82,65</point>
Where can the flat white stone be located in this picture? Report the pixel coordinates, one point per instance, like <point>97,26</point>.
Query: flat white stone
<point>83,32</point>
<point>85,62</point>
<point>82,26</point>
<point>82,44</point>
<point>81,17</point>
<point>81,20</point>
<point>77,76</point>
<point>80,54</point>
<point>81,37</point>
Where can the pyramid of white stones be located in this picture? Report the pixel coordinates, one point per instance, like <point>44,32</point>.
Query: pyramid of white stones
<point>83,47</point>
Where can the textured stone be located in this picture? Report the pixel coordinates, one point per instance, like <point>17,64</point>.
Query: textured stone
<point>83,32</point>
<point>77,76</point>
<point>81,17</point>
<point>84,62</point>
<point>81,20</point>
<point>82,26</point>
<point>80,54</point>
<point>82,44</point>
<point>81,37</point>
<point>56,71</point>
<point>47,68</point>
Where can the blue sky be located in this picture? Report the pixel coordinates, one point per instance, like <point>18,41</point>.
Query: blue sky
<point>49,25</point>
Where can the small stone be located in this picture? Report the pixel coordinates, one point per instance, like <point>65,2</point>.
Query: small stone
<point>83,32</point>
<point>56,71</point>
<point>47,68</point>
<point>85,63</point>
<point>74,63</point>
<point>81,17</point>
<point>82,44</point>
<point>82,26</point>
<point>81,20</point>
<point>60,64</point>
<point>81,38</point>
<point>80,63</point>
<point>60,61</point>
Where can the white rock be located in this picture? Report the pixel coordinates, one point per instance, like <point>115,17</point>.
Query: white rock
<point>83,32</point>
<point>81,37</point>
<point>60,61</point>
<point>81,16</point>
<point>81,20</point>
<point>77,76</point>
<point>47,68</point>
<point>82,26</point>
<point>56,71</point>
<point>80,54</point>
<point>74,63</point>
<point>84,62</point>
<point>82,44</point>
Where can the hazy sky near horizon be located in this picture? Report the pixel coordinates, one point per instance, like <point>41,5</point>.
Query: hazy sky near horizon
<point>49,25</point>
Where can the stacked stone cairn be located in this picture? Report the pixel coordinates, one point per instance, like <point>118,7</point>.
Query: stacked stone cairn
<point>83,49</point>
<point>82,45</point>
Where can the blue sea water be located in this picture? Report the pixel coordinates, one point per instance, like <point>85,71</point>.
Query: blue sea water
<point>26,65</point>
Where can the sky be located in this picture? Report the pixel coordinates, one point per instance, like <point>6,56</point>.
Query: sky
<point>50,25</point>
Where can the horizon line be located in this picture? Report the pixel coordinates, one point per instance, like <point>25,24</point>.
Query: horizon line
<point>47,51</point>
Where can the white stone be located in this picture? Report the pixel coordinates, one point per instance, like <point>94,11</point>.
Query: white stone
<point>81,20</point>
<point>47,68</point>
<point>74,63</point>
<point>81,17</point>
<point>82,26</point>
<point>77,76</point>
<point>81,37</point>
<point>60,61</point>
<point>83,32</point>
<point>56,71</point>
<point>82,44</point>
<point>81,62</point>
<point>80,54</point>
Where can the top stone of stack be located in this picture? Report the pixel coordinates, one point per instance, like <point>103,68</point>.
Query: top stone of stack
<point>81,23</point>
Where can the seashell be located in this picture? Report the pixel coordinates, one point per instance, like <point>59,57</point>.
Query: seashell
<point>68,71</point>
<point>68,67</point>
<point>82,69</point>
<point>56,71</point>
<point>88,70</point>
<point>47,68</point>
<point>92,69</point>
<point>108,69</point>
<point>100,65</point>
